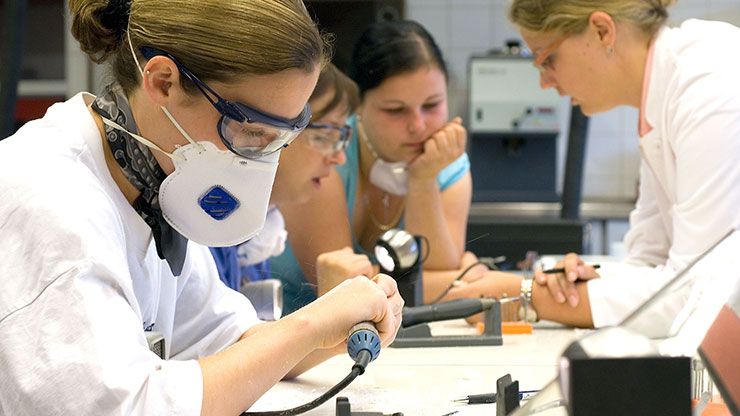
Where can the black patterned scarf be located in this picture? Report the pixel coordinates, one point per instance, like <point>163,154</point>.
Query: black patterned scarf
<point>143,171</point>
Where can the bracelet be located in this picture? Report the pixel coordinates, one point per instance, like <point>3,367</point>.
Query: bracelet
<point>527,290</point>
<point>526,311</point>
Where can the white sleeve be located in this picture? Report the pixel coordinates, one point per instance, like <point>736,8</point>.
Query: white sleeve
<point>78,348</point>
<point>210,316</point>
<point>705,126</point>
<point>621,289</point>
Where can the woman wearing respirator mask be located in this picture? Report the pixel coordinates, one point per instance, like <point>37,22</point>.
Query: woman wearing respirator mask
<point>108,200</point>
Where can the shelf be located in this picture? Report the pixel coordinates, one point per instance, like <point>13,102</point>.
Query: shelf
<point>42,88</point>
<point>617,209</point>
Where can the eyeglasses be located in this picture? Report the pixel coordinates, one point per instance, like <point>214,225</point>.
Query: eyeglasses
<point>328,139</point>
<point>244,130</point>
<point>543,61</point>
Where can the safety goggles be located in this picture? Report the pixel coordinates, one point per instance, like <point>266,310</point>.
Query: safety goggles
<point>246,131</point>
<point>327,139</point>
<point>543,62</point>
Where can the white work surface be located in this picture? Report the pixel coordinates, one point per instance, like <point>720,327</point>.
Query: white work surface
<point>423,381</point>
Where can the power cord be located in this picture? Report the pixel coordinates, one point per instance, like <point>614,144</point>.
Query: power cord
<point>489,262</point>
<point>358,368</point>
<point>429,249</point>
<point>363,345</point>
<point>446,291</point>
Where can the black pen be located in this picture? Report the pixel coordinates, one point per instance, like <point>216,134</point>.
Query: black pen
<point>562,270</point>
<point>491,397</point>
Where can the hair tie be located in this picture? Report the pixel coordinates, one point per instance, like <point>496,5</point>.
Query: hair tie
<point>115,16</point>
<point>660,10</point>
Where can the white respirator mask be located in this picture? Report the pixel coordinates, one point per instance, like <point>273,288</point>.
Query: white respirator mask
<point>392,177</point>
<point>214,197</point>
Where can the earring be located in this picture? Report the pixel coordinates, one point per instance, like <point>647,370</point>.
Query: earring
<point>148,72</point>
<point>609,50</point>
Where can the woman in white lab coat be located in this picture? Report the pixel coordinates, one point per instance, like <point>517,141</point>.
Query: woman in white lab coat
<point>107,205</point>
<point>685,82</point>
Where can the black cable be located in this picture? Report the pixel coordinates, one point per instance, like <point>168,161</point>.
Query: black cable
<point>489,262</point>
<point>429,249</point>
<point>363,358</point>
<point>446,291</point>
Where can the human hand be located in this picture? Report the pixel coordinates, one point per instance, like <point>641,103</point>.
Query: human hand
<point>391,322</point>
<point>357,300</point>
<point>562,285</point>
<point>334,267</point>
<point>441,149</point>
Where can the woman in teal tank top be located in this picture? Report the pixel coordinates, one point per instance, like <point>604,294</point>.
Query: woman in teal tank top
<point>406,167</point>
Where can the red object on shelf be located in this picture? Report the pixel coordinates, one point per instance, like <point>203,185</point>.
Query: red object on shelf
<point>27,109</point>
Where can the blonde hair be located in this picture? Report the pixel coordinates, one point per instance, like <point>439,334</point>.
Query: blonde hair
<point>218,40</point>
<point>571,16</point>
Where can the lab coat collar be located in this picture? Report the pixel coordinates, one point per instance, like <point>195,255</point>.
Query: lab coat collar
<point>651,145</point>
<point>656,88</point>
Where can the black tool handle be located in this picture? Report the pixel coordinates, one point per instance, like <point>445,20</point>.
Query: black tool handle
<point>458,308</point>
<point>482,398</point>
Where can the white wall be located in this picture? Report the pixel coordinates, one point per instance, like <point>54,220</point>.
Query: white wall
<point>466,27</point>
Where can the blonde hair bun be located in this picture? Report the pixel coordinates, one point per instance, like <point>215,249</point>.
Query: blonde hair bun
<point>96,40</point>
<point>218,40</point>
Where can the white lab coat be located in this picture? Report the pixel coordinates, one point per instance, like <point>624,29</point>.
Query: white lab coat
<point>689,193</point>
<point>82,282</point>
